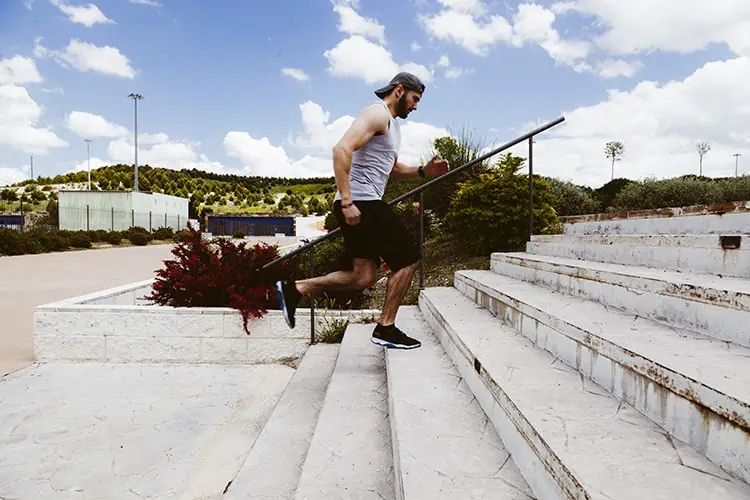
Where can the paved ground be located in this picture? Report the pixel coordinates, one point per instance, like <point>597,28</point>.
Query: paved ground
<point>32,280</point>
<point>27,281</point>
<point>131,432</point>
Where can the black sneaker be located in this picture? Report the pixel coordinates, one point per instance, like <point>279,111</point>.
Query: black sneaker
<point>392,337</point>
<point>289,297</point>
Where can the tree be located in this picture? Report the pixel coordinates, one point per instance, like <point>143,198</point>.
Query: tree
<point>489,212</point>
<point>614,150</point>
<point>703,148</point>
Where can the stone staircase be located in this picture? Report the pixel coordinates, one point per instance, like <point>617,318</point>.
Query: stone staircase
<point>610,362</point>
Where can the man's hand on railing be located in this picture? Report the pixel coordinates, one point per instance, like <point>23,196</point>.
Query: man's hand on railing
<point>435,167</point>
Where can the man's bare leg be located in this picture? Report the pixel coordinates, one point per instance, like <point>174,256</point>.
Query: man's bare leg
<point>361,277</point>
<point>398,285</point>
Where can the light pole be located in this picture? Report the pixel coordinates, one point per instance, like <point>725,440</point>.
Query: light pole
<point>136,98</point>
<point>88,154</point>
<point>736,164</point>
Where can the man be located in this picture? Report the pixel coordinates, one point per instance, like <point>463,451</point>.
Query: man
<point>363,161</point>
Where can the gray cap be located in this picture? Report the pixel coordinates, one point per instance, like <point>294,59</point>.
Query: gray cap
<point>408,80</point>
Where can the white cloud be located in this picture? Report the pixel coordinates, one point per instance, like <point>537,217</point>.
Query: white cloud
<point>91,126</point>
<point>159,138</point>
<point>357,57</point>
<point>152,3</point>
<point>474,7</point>
<point>10,175</point>
<point>416,47</point>
<point>444,61</point>
<point>681,26</point>
<point>318,136</point>
<point>612,68</point>
<point>28,3</point>
<point>86,57</point>
<point>87,15</point>
<point>295,73</point>
<point>659,125</point>
<point>53,90</point>
<point>453,73</point>
<point>19,122</point>
<point>462,28</point>
<point>171,154</point>
<point>19,70</point>
<point>533,23</point>
<point>352,23</point>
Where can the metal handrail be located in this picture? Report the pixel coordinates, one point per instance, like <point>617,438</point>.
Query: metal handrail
<point>428,184</point>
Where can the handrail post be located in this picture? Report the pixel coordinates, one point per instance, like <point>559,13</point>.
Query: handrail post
<point>531,186</point>
<point>421,240</point>
<point>312,297</point>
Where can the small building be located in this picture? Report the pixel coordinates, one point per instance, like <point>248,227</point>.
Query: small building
<point>120,210</point>
<point>251,225</point>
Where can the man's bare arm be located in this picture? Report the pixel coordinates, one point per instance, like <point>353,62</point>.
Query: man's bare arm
<point>374,119</point>
<point>402,171</point>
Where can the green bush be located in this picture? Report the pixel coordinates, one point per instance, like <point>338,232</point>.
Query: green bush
<point>140,239</point>
<point>114,238</point>
<point>137,235</point>
<point>570,199</point>
<point>181,236</point>
<point>677,192</point>
<point>238,235</point>
<point>80,239</point>
<point>163,233</point>
<point>14,242</point>
<point>735,189</point>
<point>489,212</point>
<point>51,241</point>
<point>608,192</point>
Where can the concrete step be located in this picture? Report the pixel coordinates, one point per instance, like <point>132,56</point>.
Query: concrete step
<point>444,446</point>
<point>715,223</point>
<point>693,386</point>
<point>274,465</point>
<point>350,454</point>
<point>708,304</point>
<point>570,438</point>
<point>725,255</point>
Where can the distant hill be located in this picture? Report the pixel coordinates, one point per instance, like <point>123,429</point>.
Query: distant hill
<point>207,191</point>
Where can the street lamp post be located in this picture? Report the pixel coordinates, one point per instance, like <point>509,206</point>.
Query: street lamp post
<point>88,154</point>
<point>136,98</point>
<point>736,164</point>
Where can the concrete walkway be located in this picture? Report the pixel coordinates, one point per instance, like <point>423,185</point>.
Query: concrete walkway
<point>131,432</point>
<point>27,281</point>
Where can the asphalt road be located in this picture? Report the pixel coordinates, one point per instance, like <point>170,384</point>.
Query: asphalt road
<point>27,281</point>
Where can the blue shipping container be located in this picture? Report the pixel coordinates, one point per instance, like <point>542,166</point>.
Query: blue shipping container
<point>226,225</point>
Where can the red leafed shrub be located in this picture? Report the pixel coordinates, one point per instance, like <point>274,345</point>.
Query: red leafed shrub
<point>220,273</point>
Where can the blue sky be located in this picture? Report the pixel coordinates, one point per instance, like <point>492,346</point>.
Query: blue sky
<point>266,88</point>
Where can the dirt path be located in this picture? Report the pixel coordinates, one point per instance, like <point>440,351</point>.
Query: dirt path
<point>27,281</point>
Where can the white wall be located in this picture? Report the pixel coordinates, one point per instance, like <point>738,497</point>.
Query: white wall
<point>119,210</point>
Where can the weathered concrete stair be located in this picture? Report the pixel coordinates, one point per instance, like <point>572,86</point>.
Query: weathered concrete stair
<point>444,446</point>
<point>350,452</point>
<point>713,223</point>
<point>727,254</point>
<point>694,386</point>
<point>274,465</point>
<point>569,437</point>
<point>718,307</point>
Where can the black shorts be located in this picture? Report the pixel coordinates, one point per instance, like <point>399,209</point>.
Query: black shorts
<point>380,234</point>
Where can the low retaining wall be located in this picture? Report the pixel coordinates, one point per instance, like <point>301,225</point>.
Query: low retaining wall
<point>114,326</point>
<point>659,213</point>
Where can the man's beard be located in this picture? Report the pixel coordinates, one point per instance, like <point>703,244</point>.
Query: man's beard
<point>401,107</point>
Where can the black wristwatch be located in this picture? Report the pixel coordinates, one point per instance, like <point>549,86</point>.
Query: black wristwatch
<point>421,172</point>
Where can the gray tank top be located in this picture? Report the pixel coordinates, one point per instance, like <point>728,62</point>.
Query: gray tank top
<point>373,162</point>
